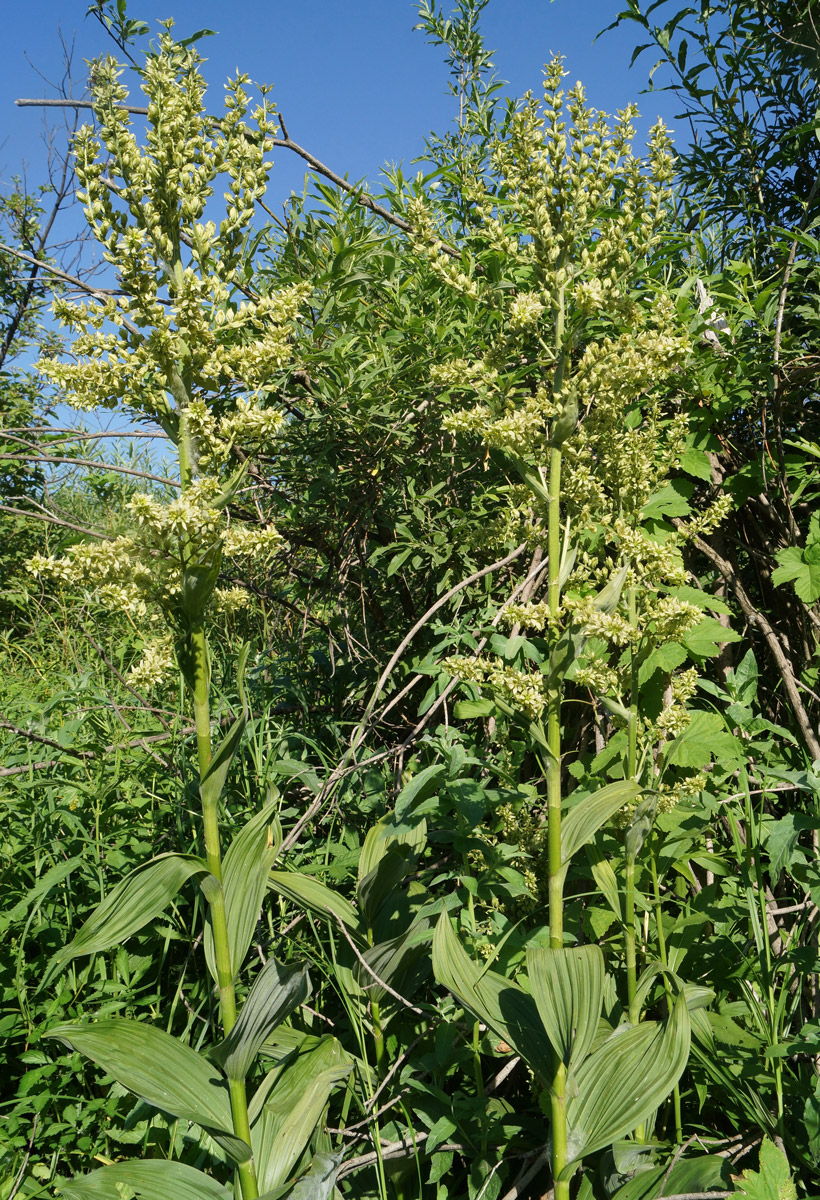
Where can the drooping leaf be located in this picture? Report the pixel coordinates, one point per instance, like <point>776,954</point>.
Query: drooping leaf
<point>286,1109</point>
<point>161,1070</point>
<point>153,1179</point>
<point>276,992</point>
<point>585,818</point>
<point>568,987</point>
<point>318,1184</point>
<point>315,896</point>
<point>136,900</point>
<point>624,1080</point>
<point>380,838</point>
<point>496,1001</point>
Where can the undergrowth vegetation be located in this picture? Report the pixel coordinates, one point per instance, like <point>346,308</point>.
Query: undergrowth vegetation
<point>408,721</point>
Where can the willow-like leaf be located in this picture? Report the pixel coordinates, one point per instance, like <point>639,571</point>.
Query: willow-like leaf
<point>585,818</point>
<point>245,871</point>
<point>309,893</point>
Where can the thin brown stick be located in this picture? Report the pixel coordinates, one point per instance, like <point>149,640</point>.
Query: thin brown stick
<point>285,143</point>
<point>89,462</point>
<point>396,995</point>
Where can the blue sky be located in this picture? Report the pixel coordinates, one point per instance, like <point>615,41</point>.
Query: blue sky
<point>356,86</point>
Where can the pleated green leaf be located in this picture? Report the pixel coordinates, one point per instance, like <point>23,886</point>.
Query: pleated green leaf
<point>623,1081</point>
<point>136,900</point>
<point>508,1010</point>
<point>245,871</point>
<point>318,1184</point>
<point>213,781</point>
<point>309,893</point>
<point>293,1103</point>
<point>382,836</point>
<point>154,1179</point>
<point>583,821</point>
<point>276,991</point>
<point>160,1070</point>
<point>568,987</point>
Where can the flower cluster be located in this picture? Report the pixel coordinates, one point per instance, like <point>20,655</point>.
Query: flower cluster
<point>524,691</point>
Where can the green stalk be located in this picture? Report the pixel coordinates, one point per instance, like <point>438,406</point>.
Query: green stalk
<point>199,679</point>
<point>558,1091</point>
<point>631,773</point>
<point>216,901</point>
<point>656,892</point>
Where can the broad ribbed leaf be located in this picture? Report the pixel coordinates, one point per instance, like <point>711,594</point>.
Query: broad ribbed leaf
<point>245,871</point>
<point>318,1184</point>
<point>499,1003</point>
<point>161,1070</point>
<point>702,1174</point>
<point>309,893</point>
<point>623,1081</point>
<point>584,819</point>
<point>382,836</point>
<point>154,1179</point>
<point>276,991</point>
<point>293,1106</point>
<point>136,900</point>
<point>568,987</point>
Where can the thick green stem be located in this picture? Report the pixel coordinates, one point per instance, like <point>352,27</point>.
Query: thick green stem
<point>667,987</point>
<point>200,675</point>
<point>629,938</point>
<point>558,1103</point>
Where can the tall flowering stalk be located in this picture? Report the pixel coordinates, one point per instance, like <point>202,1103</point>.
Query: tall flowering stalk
<point>187,347</point>
<point>577,395</point>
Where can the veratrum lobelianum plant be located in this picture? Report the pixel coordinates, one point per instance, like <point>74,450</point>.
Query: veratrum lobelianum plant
<point>578,396</point>
<point>189,347</point>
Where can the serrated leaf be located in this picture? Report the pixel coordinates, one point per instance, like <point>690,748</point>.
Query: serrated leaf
<point>568,987</point>
<point>153,1179</point>
<point>773,1181</point>
<point>160,1070</point>
<point>704,737</point>
<point>499,1003</point>
<point>136,900</point>
<point>800,566</point>
<point>276,992</point>
<point>707,637</point>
